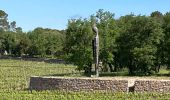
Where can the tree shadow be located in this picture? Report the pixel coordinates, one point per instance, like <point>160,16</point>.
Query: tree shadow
<point>35,59</point>
<point>113,74</point>
<point>167,75</point>
<point>67,74</point>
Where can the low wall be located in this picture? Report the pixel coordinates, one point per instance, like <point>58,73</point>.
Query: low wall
<point>78,84</point>
<point>162,86</point>
<point>99,84</point>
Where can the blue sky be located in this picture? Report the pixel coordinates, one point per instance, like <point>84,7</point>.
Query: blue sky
<point>54,14</point>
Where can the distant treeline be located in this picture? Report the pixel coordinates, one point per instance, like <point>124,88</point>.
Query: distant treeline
<point>39,42</point>
<point>137,42</point>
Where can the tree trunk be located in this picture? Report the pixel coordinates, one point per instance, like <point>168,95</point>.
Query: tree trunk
<point>131,69</point>
<point>110,66</point>
<point>88,69</point>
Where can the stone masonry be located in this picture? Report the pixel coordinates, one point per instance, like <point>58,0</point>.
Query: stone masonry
<point>161,86</point>
<point>99,84</point>
<point>78,84</point>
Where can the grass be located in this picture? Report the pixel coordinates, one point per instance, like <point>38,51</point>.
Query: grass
<point>15,75</point>
<point>59,95</point>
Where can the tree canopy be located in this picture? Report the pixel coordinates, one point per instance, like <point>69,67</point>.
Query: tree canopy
<point>136,42</point>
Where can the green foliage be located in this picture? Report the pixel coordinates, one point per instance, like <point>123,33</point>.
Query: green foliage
<point>135,42</point>
<point>4,25</point>
<point>78,44</point>
<point>10,41</point>
<point>137,45</point>
<point>108,32</point>
<point>45,42</point>
<point>22,45</point>
<point>166,43</point>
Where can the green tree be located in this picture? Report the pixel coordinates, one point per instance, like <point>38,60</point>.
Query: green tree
<point>1,42</point>
<point>55,42</point>
<point>78,44</point>
<point>10,41</point>
<point>22,45</point>
<point>4,24</point>
<point>9,38</point>
<point>138,44</point>
<point>108,32</point>
<point>166,27</point>
<point>160,55</point>
<point>45,42</point>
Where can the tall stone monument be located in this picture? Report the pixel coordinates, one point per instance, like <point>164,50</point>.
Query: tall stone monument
<point>96,50</point>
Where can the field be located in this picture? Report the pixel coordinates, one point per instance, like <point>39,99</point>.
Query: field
<point>15,74</point>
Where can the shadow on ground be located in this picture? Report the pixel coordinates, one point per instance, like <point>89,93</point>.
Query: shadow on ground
<point>26,58</point>
<point>163,74</point>
<point>67,74</point>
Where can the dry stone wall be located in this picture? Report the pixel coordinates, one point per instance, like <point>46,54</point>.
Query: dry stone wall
<point>161,86</point>
<point>99,84</point>
<point>78,84</point>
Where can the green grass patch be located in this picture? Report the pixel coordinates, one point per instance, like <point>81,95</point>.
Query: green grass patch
<point>59,95</point>
<point>15,76</point>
